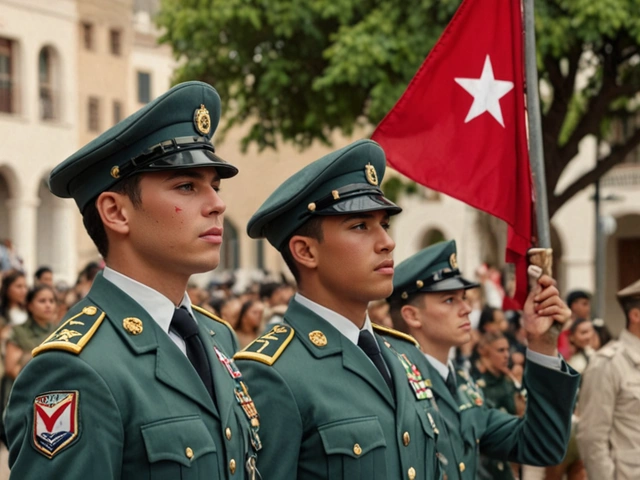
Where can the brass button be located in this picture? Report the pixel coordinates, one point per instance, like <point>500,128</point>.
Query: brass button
<point>189,453</point>
<point>356,449</point>
<point>227,433</point>
<point>232,466</point>
<point>462,467</point>
<point>412,473</point>
<point>406,438</point>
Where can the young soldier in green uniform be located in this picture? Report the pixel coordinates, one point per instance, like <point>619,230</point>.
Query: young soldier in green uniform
<point>331,388</point>
<point>429,302</point>
<point>136,382</point>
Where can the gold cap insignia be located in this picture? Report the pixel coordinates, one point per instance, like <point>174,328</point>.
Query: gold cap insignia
<point>318,338</point>
<point>90,310</point>
<point>370,173</point>
<point>419,283</point>
<point>453,261</point>
<point>132,325</point>
<point>404,295</point>
<point>202,120</point>
<point>335,194</point>
<point>311,207</point>
<point>115,172</point>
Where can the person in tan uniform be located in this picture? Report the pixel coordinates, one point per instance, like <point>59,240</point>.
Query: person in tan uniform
<point>609,430</point>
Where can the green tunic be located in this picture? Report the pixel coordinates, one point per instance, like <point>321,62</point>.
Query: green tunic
<point>470,427</point>
<point>326,411</point>
<point>115,398</point>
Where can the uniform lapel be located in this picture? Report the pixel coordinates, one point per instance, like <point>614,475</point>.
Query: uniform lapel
<point>172,366</point>
<point>304,321</point>
<point>442,392</point>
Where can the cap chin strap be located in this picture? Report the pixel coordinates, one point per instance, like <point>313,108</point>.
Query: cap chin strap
<point>338,195</point>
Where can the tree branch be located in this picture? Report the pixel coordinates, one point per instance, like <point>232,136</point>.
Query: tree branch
<point>617,155</point>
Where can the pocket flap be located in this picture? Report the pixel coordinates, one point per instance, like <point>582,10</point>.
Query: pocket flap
<point>352,437</point>
<point>181,440</point>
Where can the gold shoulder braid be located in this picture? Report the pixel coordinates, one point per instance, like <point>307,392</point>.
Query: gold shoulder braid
<point>74,334</point>
<point>268,347</point>
<point>207,313</point>
<point>395,333</point>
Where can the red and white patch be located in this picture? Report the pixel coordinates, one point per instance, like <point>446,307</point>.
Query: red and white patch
<point>55,421</point>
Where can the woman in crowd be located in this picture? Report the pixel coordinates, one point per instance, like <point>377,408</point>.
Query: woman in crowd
<point>12,298</point>
<point>581,335</point>
<point>249,321</point>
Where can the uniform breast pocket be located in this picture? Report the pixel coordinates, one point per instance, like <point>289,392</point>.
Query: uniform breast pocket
<point>180,448</point>
<point>355,449</point>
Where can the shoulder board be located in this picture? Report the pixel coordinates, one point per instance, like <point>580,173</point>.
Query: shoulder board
<point>73,334</point>
<point>610,349</point>
<point>207,313</point>
<point>267,348</point>
<point>395,333</point>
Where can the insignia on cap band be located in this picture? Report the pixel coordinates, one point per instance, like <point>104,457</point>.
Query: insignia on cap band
<point>202,120</point>
<point>419,283</point>
<point>115,172</point>
<point>311,207</point>
<point>370,173</point>
<point>453,261</point>
<point>335,194</point>
<point>404,295</point>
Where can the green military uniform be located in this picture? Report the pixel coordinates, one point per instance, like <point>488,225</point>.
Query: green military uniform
<point>29,335</point>
<point>109,395</point>
<point>326,410</point>
<point>466,425</point>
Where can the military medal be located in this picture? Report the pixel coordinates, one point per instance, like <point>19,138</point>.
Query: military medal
<point>419,386</point>
<point>242,397</point>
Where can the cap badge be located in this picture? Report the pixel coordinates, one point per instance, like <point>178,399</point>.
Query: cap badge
<point>202,120</point>
<point>318,338</point>
<point>419,283</point>
<point>453,261</point>
<point>132,325</point>
<point>370,172</point>
<point>115,172</point>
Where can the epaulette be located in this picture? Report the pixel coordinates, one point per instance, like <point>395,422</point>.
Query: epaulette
<point>74,333</point>
<point>268,347</point>
<point>395,333</point>
<point>207,313</point>
<point>609,350</point>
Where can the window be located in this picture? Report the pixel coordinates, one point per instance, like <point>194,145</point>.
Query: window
<point>115,42</point>
<point>117,111</point>
<point>93,122</point>
<point>7,68</point>
<point>144,87</point>
<point>46,65</point>
<point>87,35</point>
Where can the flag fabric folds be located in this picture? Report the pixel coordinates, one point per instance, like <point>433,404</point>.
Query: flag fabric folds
<point>460,126</point>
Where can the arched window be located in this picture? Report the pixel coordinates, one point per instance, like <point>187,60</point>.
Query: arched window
<point>230,251</point>
<point>48,84</point>
<point>431,237</point>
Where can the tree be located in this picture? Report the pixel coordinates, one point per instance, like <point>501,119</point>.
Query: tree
<point>297,70</point>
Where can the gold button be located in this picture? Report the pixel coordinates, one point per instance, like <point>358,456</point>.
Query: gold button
<point>462,467</point>
<point>227,433</point>
<point>356,449</point>
<point>406,438</point>
<point>412,473</point>
<point>189,453</point>
<point>232,466</point>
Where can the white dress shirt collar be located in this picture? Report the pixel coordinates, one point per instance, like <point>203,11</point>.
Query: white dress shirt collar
<point>345,326</point>
<point>159,307</point>
<point>442,368</point>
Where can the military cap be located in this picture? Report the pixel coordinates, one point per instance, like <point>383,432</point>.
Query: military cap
<point>171,132</point>
<point>631,292</point>
<point>342,182</point>
<point>433,269</point>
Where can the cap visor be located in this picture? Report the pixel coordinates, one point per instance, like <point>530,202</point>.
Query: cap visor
<point>192,159</point>
<point>362,203</point>
<point>455,283</point>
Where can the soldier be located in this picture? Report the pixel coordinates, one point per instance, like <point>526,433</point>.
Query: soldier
<point>331,387</point>
<point>137,382</point>
<point>609,431</point>
<point>429,302</point>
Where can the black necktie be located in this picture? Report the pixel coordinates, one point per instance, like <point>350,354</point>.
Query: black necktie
<point>451,383</point>
<point>369,346</point>
<point>185,326</point>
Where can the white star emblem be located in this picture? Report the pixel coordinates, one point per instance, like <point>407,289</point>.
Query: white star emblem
<point>486,92</point>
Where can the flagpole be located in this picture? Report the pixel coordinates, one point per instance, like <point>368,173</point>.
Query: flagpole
<point>536,152</point>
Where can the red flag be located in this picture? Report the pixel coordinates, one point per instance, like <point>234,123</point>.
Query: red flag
<point>459,128</point>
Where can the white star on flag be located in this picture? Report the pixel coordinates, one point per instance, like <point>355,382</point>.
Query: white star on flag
<point>486,92</point>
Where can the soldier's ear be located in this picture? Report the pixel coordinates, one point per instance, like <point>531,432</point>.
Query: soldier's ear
<point>303,251</point>
<point>113,210</point>
<point>411,316</point>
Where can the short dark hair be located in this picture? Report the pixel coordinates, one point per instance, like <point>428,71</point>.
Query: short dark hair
<point>41,271</point>
<point>130,187</point>
<point>629,304</point>
<point>312,228</point>
<point>577,295</point>
<point>396,302</point>
<point>486,317</point>
<point>31,294</point>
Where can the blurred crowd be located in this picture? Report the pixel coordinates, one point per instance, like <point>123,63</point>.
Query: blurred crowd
<point>31,308</point>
